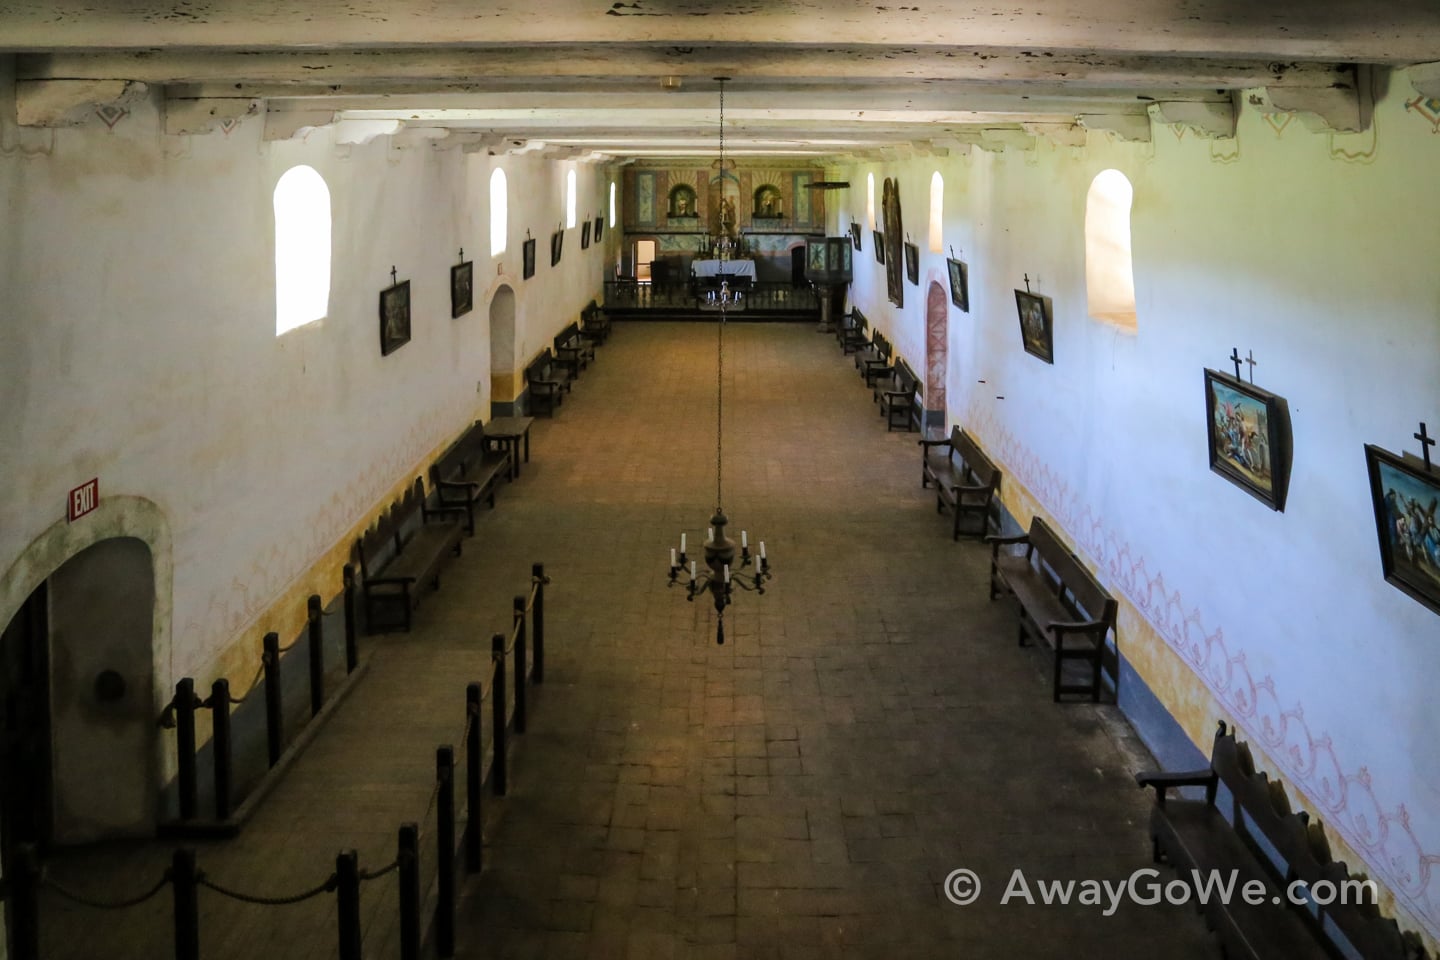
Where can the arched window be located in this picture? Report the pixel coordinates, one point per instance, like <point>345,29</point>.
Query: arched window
<point>612,203</point>
<point>499,213</point>
<point>302,248</point>
<point>1109,276</point>
<point>937,213</point>
<point>870,199</point>
<point>569,199</point>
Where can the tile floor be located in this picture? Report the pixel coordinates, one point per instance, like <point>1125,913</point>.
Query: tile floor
<point>802,791</point>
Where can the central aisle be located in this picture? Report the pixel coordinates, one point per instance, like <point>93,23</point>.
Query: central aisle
<point>870,726</point>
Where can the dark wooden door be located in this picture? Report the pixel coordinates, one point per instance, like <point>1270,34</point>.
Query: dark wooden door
<point>25,728</point>
<point>797,266</point>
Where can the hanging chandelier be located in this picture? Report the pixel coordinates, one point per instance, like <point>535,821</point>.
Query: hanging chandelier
<point>724,569</point>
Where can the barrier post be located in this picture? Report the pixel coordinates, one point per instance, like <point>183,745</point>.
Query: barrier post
<point>185,880</point>
<point>497,698</point>
<point>473,753</point>
<point>347,903</point>
<point>408,856</point>
<point>274,704</point>
<point>519,671</point>
<point>537,618</point>
<point>317,654</point>
<point>22,910</point>
<point>445,855</point>
<point>185,775</point>
<point>352,649</point>
<point>221,745</point>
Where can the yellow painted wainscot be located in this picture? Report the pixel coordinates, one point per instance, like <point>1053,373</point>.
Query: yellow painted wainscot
<point>1186,697</point>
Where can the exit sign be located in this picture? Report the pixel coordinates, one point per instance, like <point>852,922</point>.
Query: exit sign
<point>82,500</point>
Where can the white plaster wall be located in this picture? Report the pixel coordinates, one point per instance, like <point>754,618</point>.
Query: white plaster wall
<point>140,343</point>
<point>1315,251</point>
<point>554,297</point>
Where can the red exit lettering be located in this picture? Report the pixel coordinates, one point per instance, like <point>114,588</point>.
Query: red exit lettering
<point>82,500</point>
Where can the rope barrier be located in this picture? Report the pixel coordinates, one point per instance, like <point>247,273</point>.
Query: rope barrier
<point>166,720</point>
<point>377,874</point>
<point>99,904</point>
<point>327,887</point>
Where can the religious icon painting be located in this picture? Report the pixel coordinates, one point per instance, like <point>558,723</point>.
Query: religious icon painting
<point>912,263</point>
<point>1037,326</point>
<point>599,228</point>
<point>557,246</point>
<point>878,239</point>
<point>1249,437</point>
<point>462,277</point>
<point>527,257</point>
<point>585,235</point>
<point>394,317</point>
<point>855,235</point>
<point>1406,496</point>
<point>959,284</point>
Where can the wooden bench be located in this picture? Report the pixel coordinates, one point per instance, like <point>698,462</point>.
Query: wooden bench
<point>402,550</point>
<point>572,351</point>
<point>467,473</point>
<point>594,324</point>
<point>1058,598</point>
<point>547,382</point>
<point>1253,832</point>
<point>966,482</point>
<point>853,332</point>
<point>873,360</point>
<point>900,398</point>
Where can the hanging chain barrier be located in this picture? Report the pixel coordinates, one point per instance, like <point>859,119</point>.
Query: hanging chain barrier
<point>328,886</point>
<point>95,902</point>
<point>185,876</point>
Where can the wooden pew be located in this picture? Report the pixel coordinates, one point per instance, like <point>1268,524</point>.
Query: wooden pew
<point>966,482</point>
<point>1059,600</point>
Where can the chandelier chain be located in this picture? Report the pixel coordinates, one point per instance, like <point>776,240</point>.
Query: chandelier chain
<point>720,338</point>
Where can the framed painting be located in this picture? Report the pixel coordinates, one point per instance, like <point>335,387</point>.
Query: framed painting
<point>895,238</point>
<point>585,235</point>
<point>557,246</point>
<point>682,204</point>
<point>527,257</point>
<point>1037,325</point>
<point>1406,497</point>
<point>394,317</point>
<point>1249,437</point>
<point>959,284</point>
<point>912,263</point>
<point>462,285</point>
<point>878,238</point>
<point>855,235</point>
<point>599,229</point>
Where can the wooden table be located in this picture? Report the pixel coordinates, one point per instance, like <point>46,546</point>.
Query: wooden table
<point>511,431</point>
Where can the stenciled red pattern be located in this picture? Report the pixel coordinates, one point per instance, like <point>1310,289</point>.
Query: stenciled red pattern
<point>1348,800</point>
<point>234,608</point>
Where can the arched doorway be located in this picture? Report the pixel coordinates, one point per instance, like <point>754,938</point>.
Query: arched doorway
<point>63,625</point>
<point>937,339</point>
<point>504,392</point>
<point>77,695</point>
<point>78,687</point>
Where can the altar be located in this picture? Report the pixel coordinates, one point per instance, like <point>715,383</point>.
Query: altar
<point>703,269</point>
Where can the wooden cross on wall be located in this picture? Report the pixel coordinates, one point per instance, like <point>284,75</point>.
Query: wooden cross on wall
<point>1426,442</point>
<point>1235,359</point>
<point>1250,359</point>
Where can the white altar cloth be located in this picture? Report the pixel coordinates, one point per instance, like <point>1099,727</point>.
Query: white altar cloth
<point>723,268</point>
